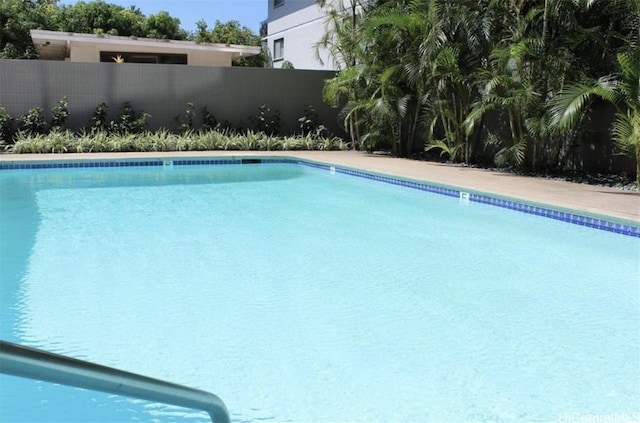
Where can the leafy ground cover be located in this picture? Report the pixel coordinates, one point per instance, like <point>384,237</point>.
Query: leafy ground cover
<point>163,140</point>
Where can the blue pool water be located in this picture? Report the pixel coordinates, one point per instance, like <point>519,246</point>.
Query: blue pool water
<point>297,295</point>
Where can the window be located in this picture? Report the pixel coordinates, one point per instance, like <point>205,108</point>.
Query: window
<point>277,3</point>
<point>278,49</point>
<point>127,57</point>
<point>140,58</point>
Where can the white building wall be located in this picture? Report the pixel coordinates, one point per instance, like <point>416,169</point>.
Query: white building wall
<point>203,58</point>
<point>83,53</point>
<point>300,24</point>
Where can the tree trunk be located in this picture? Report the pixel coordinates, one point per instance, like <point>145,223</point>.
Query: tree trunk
<point>414,126</point>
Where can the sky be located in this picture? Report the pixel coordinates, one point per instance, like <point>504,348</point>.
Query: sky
<point>249,12</point>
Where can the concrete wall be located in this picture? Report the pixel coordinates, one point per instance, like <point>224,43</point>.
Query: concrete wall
<point>203,58</point>
<point>230,93</point>
<point>84,53</point>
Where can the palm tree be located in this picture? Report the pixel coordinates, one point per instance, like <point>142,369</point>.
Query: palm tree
<point>439,65</point>
<point>341,40</point>
<point>626,128</point>
<point>393,34</point>
<point>539,48</point>
<point>623,91</point>
<point>426,55</point>
<point>343,91</point>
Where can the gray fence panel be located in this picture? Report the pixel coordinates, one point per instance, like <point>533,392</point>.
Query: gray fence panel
<point>232,94</point>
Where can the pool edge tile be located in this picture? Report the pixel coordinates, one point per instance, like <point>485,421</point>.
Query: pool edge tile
<point>565,215</point>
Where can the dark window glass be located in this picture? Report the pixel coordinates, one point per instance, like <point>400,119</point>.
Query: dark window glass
<point>168,59</point>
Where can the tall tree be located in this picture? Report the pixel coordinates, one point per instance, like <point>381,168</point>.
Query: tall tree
<point>622,89</point>
<point>163,25</point>
<point>100,17</point>
<point>343,43</point>
<point>17,18</point>
<point>231,33</point>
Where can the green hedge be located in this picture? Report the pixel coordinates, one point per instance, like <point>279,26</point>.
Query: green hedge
<point>101,141</point>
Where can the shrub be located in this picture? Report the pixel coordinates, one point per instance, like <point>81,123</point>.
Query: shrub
<point>7,127</point>
<point>125,142</point>
<point>186,124</point>
<point>209,121</point>
<point>92,142</point>
<point>60,113</point>
<point>267,121</point>
<point>230,142</point>
<point>212,140</point>
<point>54,142</point>
<point>250,140</point>
<point>99,118</point>
<point>310,123</point>
<point>291,143</point>
<point>270,144</point>
<point>130,121</point>
<point>103,141</point>
<point>32,122</point>
<point>162,140</point>
<point>58,141</point>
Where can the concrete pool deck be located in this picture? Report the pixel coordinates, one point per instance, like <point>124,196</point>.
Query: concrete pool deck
<point>591,199</point>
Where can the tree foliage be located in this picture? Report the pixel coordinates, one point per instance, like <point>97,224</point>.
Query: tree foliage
<point>18,17</point>
<point>231,33</point>
<point>419,73</point>
<point>97,17</point>
<point>163,25</point>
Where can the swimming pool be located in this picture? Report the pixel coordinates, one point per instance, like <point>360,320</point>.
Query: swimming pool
<point>300,294</point>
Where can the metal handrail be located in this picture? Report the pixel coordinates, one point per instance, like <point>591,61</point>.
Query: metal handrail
<point>18,360</point>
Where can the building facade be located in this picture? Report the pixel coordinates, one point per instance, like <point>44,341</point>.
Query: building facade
<point>294,27</point>
<point>74,47</point>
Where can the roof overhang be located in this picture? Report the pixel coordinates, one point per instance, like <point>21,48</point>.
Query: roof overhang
<point>54,45</point>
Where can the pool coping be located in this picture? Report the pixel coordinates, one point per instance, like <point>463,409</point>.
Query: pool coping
<point>552,211</point>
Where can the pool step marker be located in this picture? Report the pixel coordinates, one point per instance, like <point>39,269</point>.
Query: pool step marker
<point>464,198</point>
<point>167,164</point>
<point>332,170</point>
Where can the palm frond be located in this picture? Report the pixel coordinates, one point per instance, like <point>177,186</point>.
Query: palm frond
<point>568,106</point>
<point>513,154</point>
<point>445,149</point>
<point>626,131</point>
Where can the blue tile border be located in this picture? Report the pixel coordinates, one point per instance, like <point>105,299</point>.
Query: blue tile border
<point>205,162</point>
<point>78,165</point>
<point>538,210</point>
<point>401,182</point>
<point>563,216</point>
<point>130,163</point>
